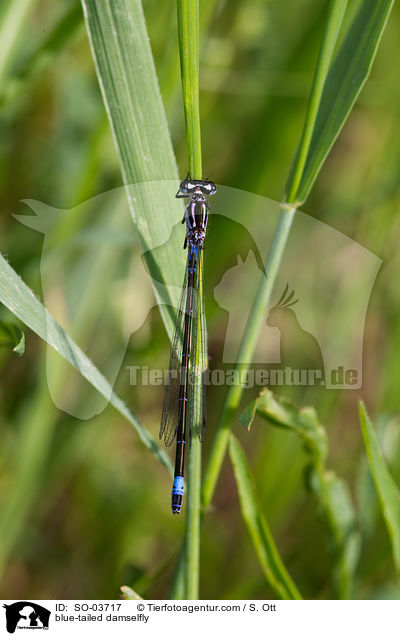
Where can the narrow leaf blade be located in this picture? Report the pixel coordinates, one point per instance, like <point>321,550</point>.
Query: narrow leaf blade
<point>345,80</point>
<point>266,550</point>
<point>388,491</point>
<point>21,301</point>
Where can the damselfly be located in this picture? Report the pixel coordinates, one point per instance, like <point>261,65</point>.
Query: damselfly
<point>184,404</point>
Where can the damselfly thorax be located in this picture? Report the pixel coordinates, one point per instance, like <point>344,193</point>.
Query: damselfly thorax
<point>196,217</point>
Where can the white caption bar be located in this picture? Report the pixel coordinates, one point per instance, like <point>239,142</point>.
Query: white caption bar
<point>280,618</point>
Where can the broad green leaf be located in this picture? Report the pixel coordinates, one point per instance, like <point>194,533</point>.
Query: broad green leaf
<point>127,78</point>
<point>387,489</point>
<point>345,80</point>
<point>20,300</point>
<point>331,493</point>
<point>266,550</point>
<point>12,336</point>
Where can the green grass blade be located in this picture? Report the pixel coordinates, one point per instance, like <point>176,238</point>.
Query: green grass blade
<point>188,35</point>
<point>177,590</point>
<point>12,336</point>
<point>336,13</point>
<point>345,80</point>
<point>387,489</point>
<point>331,493</point>
<point>200,359</point>
<point>275,572</point>
<point>20,300</point>
<point>192,534</point>
<point>127,77</point>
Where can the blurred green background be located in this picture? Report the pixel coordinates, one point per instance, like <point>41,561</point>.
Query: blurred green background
<point>86,508</point>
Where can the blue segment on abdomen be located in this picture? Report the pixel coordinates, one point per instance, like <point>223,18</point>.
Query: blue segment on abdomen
<point>177,488</point>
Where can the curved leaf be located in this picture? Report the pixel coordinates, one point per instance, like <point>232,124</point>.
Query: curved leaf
<point>266,550</point>
<point>12,336</point>
<point>387,489</point>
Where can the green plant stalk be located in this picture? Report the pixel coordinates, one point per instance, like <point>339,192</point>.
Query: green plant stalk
<point>335,17</point>
<point>188,34</point>
<point>193,519</point>
<point>256,316</point>
<point>194,467</point>
<point>246,351</point>
<point>177,590</point>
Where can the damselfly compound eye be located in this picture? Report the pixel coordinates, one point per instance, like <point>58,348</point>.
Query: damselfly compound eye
<point>208,187</point>
<point>183,187</point>
<point>187,186</point>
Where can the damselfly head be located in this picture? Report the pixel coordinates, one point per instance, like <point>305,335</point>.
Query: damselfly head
<point>190,186</point>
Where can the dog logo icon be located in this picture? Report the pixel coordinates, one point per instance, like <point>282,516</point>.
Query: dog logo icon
<point>26,615</point>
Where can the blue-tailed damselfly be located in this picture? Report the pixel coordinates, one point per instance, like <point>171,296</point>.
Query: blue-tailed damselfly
<point>184,403</point>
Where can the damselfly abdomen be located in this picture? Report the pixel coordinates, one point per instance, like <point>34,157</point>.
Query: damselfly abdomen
<point>184,404</point>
